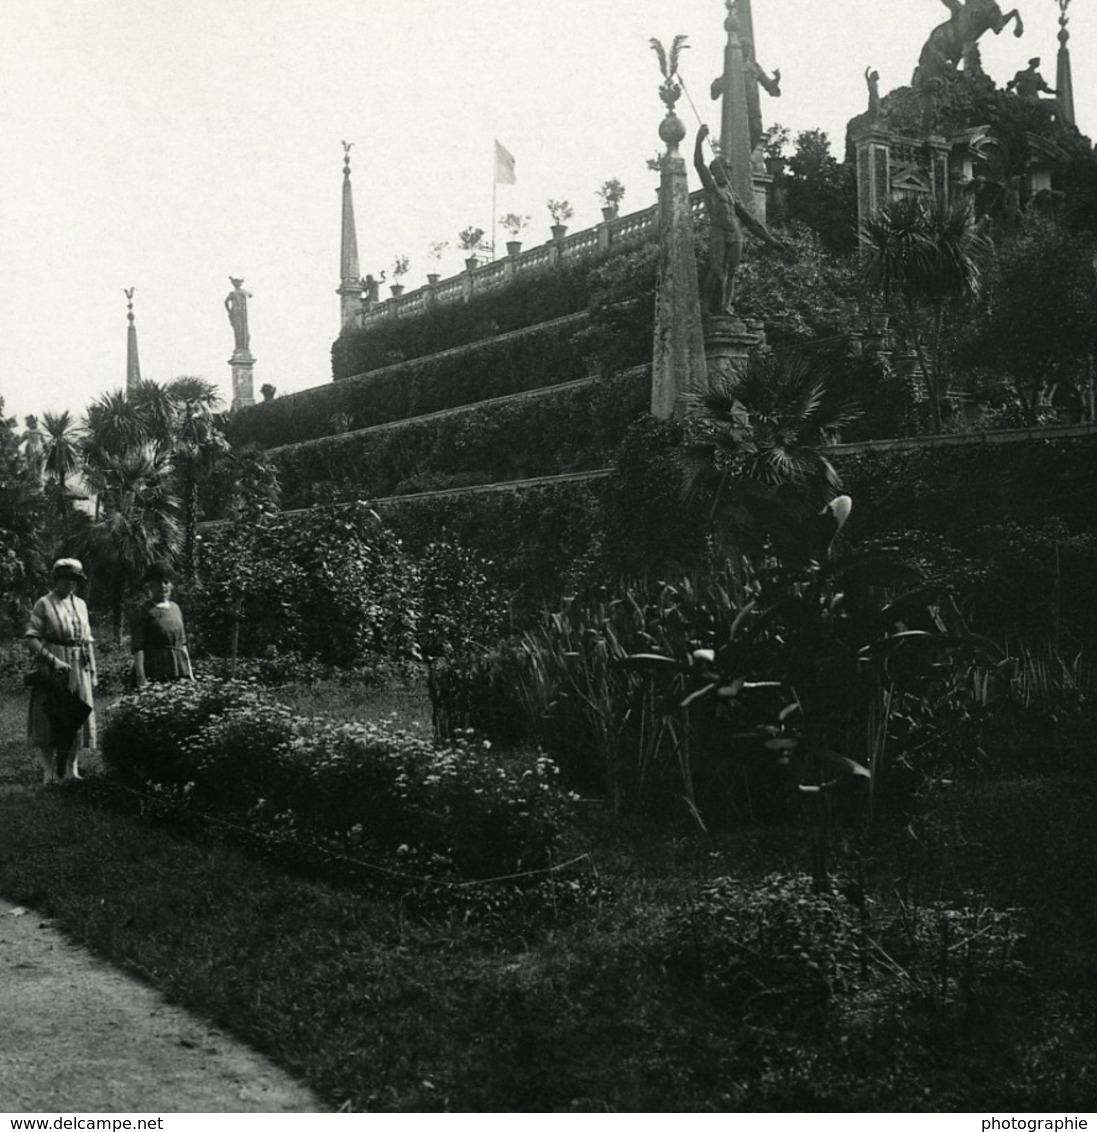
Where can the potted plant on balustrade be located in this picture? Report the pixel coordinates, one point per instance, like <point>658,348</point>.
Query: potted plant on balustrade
<point>436,250</point>
<point>399,270</point>
<point>471,240</point>
<point>561,212</point>
<point>611,194</point>
<point>513,224</point>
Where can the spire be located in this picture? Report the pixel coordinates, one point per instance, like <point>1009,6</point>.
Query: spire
<point>735,144</point>
<point>350,279</point>
<point>133,364</point>
<point>1064,82</point>
<point>750,73</point>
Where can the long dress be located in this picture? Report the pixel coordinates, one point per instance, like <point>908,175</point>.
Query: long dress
<point>62,625</point>
<point>158,631</point>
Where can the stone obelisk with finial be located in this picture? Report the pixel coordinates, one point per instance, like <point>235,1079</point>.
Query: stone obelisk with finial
<point>242,361</point>
<point>678,361</point>
<point>1064,79</point>
<point>133,364</point>
<point>350,278</point>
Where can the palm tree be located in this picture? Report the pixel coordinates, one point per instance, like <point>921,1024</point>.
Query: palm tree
<point>931,257</point>
<point>759,431</point>
<point>61,455</point>
<point>196,440</point>
<point>137,520</point>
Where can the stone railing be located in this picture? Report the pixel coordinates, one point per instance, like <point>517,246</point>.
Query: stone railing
<point>633,228</point>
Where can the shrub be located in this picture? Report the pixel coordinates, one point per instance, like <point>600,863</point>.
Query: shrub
<point>366,789</point>
<point>332,583</point>
<point>777,947</point>
<point>463,611</point>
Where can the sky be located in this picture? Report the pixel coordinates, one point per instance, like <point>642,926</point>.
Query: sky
<point>166,146</point>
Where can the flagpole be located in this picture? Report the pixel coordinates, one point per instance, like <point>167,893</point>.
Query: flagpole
<point>494,190</point>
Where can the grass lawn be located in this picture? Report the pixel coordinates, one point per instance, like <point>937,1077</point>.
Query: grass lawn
<point>582,997</point>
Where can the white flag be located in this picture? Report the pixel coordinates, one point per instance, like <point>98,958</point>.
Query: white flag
<point>504,165</point>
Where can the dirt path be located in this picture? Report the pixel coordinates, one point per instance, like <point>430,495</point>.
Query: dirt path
<point>79,1036</point>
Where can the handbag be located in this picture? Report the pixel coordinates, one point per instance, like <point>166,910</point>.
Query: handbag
<point>62,707</point>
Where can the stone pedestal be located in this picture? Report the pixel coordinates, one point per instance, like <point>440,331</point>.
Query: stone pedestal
<point>243,389</point>
<point>678,362</point>
<point>729,341</point>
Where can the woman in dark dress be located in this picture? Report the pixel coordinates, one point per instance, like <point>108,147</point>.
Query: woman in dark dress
<point>157,634</point>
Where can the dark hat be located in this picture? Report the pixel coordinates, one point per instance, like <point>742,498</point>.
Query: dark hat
<point>161,571</point>
<point>70,567</point>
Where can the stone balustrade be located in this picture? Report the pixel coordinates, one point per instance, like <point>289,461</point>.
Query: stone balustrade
<point>487,277</point>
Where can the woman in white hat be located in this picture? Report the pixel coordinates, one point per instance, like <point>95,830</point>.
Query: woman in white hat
<point>59,638</point>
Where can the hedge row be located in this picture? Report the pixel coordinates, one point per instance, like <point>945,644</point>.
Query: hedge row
<point>543,356</point>
<point>366,790</point>
<point>543,540</point>
<point>573,429</point>
<point>525,301</point>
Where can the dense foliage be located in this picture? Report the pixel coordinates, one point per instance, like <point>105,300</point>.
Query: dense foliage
<point>527,360</point>
<point>1016,544</point>
<point>332,584</point>
<point>530,298</point>
<point>575,429</point>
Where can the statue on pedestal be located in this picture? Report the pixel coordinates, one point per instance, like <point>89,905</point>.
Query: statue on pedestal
<point>727,216</point>
<point>236,303</point>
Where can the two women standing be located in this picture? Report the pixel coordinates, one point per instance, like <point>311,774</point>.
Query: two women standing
<point>60,641</point>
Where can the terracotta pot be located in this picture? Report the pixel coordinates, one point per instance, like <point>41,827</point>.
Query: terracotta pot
<point>514,247</point>
<point>472,263</point>
<point>433,277</point>
<point>397,290</point>
<point>609,212</point>
<point>559,231</point>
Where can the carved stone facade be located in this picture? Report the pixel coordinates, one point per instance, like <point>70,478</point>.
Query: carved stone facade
<point>891,167</point>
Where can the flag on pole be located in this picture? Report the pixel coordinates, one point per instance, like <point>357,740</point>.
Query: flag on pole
<point>504,165</point>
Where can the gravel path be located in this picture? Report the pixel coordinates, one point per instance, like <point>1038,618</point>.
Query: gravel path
<point>79,1036</point>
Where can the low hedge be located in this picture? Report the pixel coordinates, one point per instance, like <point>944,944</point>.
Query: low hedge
<point>545,355</point>
<point>574,429</point>
<point>367,790</point>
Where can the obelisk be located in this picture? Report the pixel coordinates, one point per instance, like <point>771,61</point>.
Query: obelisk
<point>133,364</point>
<point>735,147</point>
<point>1064,79</point>
<point>678,360</point>
<point>350,279</point>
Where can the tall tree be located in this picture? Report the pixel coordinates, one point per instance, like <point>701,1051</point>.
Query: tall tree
<point>61,456</point>
<point>196,440</point>
<point>137,521</point>
<point>21,514</point>
<point>931,257</point>
<point>1037,325</point>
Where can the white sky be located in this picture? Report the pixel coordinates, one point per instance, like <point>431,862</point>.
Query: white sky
<point>165,146</point>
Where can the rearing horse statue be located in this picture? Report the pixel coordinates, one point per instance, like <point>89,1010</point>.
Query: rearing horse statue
<point>957,40</point>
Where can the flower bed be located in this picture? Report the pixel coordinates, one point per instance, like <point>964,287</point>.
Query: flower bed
<point>367,790</point>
